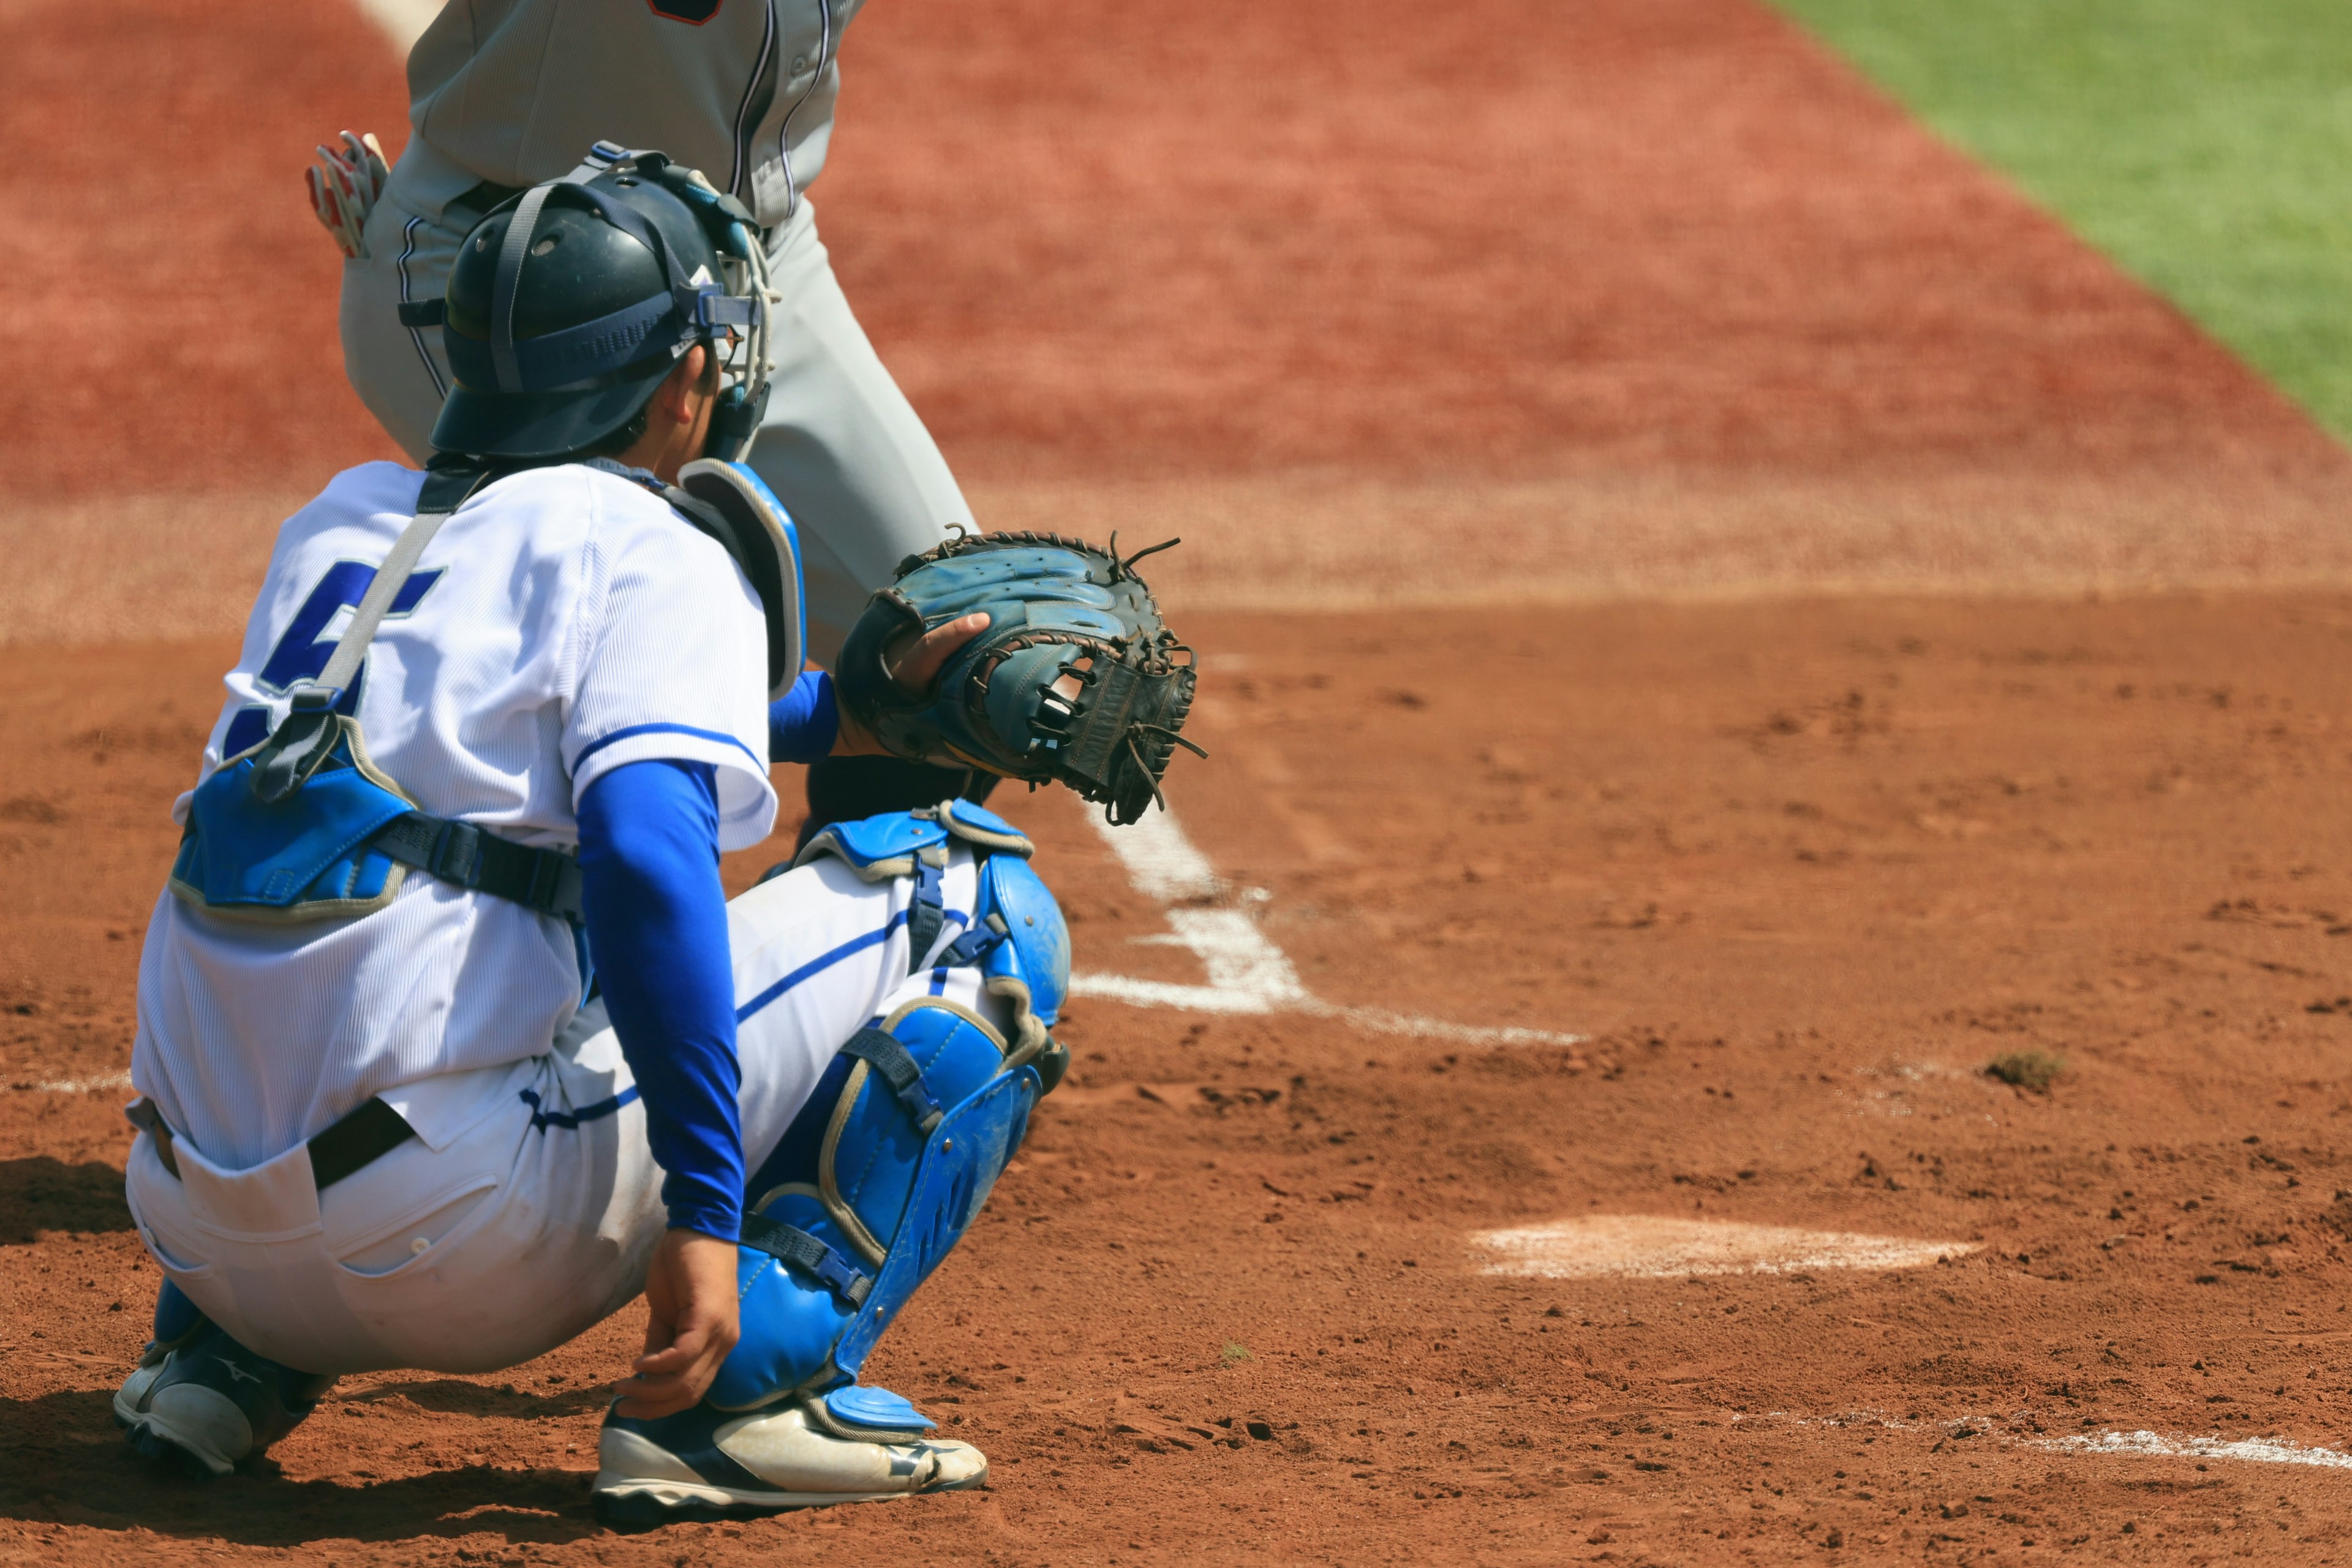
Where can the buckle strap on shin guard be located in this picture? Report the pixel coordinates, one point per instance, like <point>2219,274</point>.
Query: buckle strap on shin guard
<point>976,944</point>
<point>791,1245</point>
<point>883,1053</point>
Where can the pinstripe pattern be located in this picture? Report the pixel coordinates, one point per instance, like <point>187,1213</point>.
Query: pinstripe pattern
<point>747,97</point>
<point>416,334</point>
<point>816,77</point>
<point>754,107</point>
<point>633,730</point>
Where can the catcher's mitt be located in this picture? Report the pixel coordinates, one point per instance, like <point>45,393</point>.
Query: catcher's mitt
<point>1057,607</point>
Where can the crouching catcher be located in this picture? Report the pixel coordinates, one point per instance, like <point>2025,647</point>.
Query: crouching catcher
<point>449,1043</point>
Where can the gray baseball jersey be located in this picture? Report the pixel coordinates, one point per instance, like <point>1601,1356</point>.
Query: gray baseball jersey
<point>511,91</point>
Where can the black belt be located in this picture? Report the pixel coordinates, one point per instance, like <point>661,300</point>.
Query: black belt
<point>358,1140</point>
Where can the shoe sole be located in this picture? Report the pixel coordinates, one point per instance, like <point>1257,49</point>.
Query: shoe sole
<point>155,1439</point>
<point>647,1505</point>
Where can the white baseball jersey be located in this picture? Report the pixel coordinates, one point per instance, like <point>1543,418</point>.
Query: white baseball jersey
<point>515,91</point>
<point>564,621</point>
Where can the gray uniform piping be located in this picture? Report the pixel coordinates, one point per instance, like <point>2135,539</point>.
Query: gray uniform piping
<point>416,334</point>
<point>816,75</point>
<point>758,94</point>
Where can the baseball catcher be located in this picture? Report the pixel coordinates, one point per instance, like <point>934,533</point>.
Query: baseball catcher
<point>449,1044</point>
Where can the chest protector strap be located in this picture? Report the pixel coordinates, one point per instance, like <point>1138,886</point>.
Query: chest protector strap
<point>304,827</point>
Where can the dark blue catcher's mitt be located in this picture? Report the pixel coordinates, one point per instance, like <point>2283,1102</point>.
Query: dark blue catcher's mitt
<point>1078,679</point>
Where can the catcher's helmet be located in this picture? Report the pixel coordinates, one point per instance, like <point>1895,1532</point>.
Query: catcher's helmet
<point>572,300</point>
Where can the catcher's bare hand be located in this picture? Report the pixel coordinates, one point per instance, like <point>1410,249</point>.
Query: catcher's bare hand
<point>915,663</point>
<point>691,1326</point>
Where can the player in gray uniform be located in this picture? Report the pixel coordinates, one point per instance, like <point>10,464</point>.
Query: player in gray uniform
<point>505,93</point>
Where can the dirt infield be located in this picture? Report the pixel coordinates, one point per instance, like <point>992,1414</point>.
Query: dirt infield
<point>1798,871</point>
<point>1703,469</point>
<point>1604,299</point>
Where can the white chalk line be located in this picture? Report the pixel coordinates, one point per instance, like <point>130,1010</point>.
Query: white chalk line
<point>2110,1444</point>
<point>403,22</point>
<point>2156,1445</point>
<point>1248,974</point>
<point>74,1085</point>
<point>1657,1246</point>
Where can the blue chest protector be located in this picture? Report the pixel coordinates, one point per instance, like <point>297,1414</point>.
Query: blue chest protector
<point>891,1161</point>
<point>303,826</point>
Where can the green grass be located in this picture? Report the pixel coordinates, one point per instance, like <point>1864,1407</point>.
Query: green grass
<point>2206,145</point>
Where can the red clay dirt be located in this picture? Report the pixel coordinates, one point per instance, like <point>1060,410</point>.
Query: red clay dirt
<point>1101,238</point>
<point>1799,870</point>
<point>1626,296</point>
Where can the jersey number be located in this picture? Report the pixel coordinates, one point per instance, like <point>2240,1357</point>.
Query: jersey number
<point>303,652</point>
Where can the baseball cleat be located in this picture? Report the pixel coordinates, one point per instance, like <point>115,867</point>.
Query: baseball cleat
<point>708,1463</point>
<point>177,1323</point>
<point>142,1377</point>
<point>210,1403</point>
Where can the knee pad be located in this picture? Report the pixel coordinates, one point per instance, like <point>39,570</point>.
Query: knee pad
<point>1016,937</point>
<point>932,1105</point>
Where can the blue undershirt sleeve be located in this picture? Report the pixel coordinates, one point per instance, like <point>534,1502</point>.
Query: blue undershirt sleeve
<point>656,919</point>
<point>802,723</point>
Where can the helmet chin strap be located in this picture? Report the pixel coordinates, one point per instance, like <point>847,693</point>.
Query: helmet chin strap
<point>733,424</point>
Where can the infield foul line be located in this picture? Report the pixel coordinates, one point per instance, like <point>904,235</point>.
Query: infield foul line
<point>1247,972</point>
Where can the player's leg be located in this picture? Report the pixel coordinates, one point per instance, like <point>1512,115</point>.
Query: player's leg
<point>876,1176</point>
<point>841,446</point>
<point>400,373</point>
<point>850,457</point>
<point>177,1321</point>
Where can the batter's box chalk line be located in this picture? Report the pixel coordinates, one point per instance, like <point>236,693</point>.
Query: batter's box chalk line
<point>2109,1444</point>
<point>1657,1246</point>
<point>75,1085</point>
<point>2156,1445</point>
<point>1247,972</point>
<point>403,22</point>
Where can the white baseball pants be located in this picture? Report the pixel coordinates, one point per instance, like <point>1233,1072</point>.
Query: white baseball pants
<point>529,1205</point>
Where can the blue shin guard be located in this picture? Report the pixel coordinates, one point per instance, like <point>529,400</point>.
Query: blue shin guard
<point>889,1162</point>
<point>926,1119</point>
